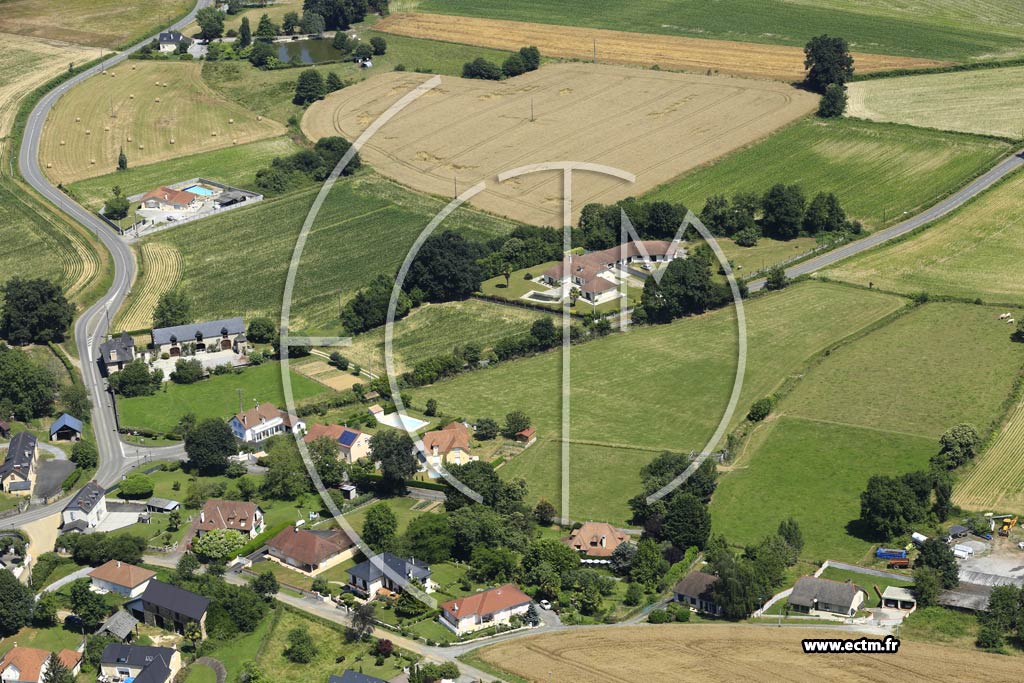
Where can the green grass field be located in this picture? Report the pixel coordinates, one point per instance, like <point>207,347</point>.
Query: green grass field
<point>199,673</point>
<point>927,371</point>
<point>654,388</point>
<point>235,166</point>
<point>988,101</point>
<point>213,397</point>
<point>270,92</point>
<point>867,582</point>
<point>39,244</point>
<point>364,228</point>
<point>878,171</point>
<point>973,252</point>
<point>434,329</point>
<point>940,29</point>
<point>402,507</point>
<point>813,472</point>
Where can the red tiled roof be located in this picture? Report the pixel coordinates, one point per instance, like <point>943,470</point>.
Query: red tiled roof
<point>589,265</point>
<point>171,196</point>
<point>122,574</point>
<point>333,432</point>
<point>228,514</point>
<point>70,658</point>
<point>309,547</point>
<point>453,435</point>
<point>28,660</point>
<point>486,602</point>
<point>527,433</point>
<point>587,539</point>
<point>262,413</point>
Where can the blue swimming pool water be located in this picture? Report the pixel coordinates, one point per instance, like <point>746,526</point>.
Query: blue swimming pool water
<point>200,190</point>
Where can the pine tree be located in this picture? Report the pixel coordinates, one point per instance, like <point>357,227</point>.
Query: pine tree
<point>244,34</point>
<point>122,161</point>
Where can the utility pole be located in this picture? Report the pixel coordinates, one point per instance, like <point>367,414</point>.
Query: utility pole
<point>531,110</point>
<point>595,50</point>
<point>456,180</point>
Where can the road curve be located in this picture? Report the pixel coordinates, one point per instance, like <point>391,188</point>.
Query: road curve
<point>953,201</point>
<point>116,457</point>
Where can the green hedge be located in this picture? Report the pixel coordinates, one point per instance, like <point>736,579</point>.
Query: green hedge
<point>63,357</point>
<point>258,542</point>
<point>71,480</point>
<point>433,486</point>
<point>951,68</point>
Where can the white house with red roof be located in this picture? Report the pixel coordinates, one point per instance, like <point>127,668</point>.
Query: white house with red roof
<point>598,274</point>
<point>484,609</point>
<point>264,421</point>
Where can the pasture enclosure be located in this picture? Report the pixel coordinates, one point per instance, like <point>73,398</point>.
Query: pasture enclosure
<point>344,251</point>
<point>100,23</point>
<point>973,252</point>
<point>434,329</point>
<point>653,124</point>
<point>997,479</point>
<point>879,171</point>
<point>153,110</point>
<point>27,63</point>
<point>722,653</point>
<point>653,388</point>
<point>986,101</point>
<point>621,47</point>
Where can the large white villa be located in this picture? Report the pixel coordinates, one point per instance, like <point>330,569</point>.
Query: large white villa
<point>599,273</point>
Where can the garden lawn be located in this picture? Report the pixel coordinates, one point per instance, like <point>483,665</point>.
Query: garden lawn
<point>244,647</point>
<point>947,29</point>
<point>653,388</point>
<point>235,166</point>
<point>974,252</point>
<point>364,229</point>
<point>815,473</point>
<point>431,629</point>
<point>878,171</point>
<point>55,638</point>
<point>867,582</point>
<point>270,92</point>
<point>213,397</point>
<point>199,673</point>
<point>7,501</point>
<point>933,368</point>
<point>402,507</point>
<point>283,574</point>
<point>435,329</point>
<point>330,643</point>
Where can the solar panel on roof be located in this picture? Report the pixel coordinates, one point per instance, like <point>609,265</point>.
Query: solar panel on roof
<point>347,438</point>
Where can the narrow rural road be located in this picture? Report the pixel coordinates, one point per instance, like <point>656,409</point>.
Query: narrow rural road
<point>953,201</point>
<point>116,457</point>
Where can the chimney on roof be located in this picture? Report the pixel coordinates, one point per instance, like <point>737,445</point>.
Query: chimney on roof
<point>604,542</point>
<point>202,516</point>
<point>119,564</point>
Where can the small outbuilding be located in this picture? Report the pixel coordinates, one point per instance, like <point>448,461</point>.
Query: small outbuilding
<point>66,428</point>
<point>897,597</point>
<point>162,505</point>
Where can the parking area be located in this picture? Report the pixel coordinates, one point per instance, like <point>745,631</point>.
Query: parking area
<point>994,563</point>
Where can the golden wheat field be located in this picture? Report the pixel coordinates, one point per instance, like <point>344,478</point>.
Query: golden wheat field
<point>160,269</point>
<point>713,653</point>
<point>154,110</point>
<point>653,124</point>
<point>622,47</point>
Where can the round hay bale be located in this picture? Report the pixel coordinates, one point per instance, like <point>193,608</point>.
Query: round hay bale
<point>166,84</point>
<point>106,128</point>
<point>78,119</point>
<point>172,141</point>
<point>231,120</point>
<point>131,97</point>
<point>259,118</point>
<point>113,73</point>
<point>213,134</point>
<point>49,165</point>
<point>63,142</point>
<point>104,72</point>
<point>133,67</point>
<point>92,161</point>
<point>157,84</point>
<point>88,132</point>
<point>142,147</point>
<point>156,99</point>
<point>234,142</point>
<point>129,138</point>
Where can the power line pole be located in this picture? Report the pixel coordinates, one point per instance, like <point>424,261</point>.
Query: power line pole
<point>595,50</point>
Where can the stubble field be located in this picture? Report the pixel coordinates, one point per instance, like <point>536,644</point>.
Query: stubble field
<point>988,101</point>
<point>622,47</point>
<point>93,121</point>
<point>653,124</point>
<point>27,63</point>
<point>101,23</point>
<point>726,653</point>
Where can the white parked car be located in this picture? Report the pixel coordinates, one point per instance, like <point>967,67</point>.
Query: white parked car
<point>545,604</point>
<point>1021,545</point>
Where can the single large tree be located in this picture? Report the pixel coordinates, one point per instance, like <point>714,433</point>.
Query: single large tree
<point>445,268</point>
<point>783,207</point>
<point>172,308</point>
<point>86,605</point>
<point>35,311</point>
<point>828,61</point>
<point>309,87</point>
<point>26,388</point>
<point>687,521</point>
<point>244,34</point>
<point>394,451</point>
<point>380,527</point>
<point>56,672</point>
<point>429,538</point>
<point>16,604</point>
<point>208,446</point>
<point>936,554</point>
<point>211,23</point>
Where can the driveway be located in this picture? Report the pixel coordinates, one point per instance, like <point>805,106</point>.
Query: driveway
<point>50,474</point>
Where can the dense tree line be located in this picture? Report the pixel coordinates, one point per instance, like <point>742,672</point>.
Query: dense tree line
<point>27,388</point>
<point>35,311</point>
<point>601,224</point>
<point>746,580</point>
<point>526,59</point>
<point>97,548</point>
<point>781,213</point>
<point>687,287</point>
<point>317,163</point>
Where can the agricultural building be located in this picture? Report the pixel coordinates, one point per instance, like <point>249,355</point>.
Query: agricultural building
<point>218,335</point>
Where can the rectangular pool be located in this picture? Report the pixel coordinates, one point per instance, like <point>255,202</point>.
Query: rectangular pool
<point>200,190</point>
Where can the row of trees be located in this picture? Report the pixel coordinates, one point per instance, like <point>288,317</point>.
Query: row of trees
<point>35,311</point>
<point>687,287</point>
<point>782,213</point>
<point>315,164</point>
<point>527,59</point>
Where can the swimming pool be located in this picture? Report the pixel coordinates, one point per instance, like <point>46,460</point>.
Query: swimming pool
<point>200,190</point>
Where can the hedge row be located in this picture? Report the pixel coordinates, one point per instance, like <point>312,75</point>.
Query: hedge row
<point>951,68</point>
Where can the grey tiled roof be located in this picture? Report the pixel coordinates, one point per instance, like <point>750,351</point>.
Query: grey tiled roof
<point>209,329</point>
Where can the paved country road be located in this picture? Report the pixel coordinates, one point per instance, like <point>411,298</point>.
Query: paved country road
<point>116,457</point>
<point>953,201</point>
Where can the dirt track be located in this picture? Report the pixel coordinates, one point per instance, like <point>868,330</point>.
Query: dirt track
<point>620,47</point>
<point>654,124</point>
<point>727,653</point>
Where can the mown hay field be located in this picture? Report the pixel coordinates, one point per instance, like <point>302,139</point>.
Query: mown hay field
<point>39,244</point>
<point>988,101</point>
<point>996,480</point>
<point>153,110</point>
<point>653,124</point>
<point>275,10</point>
<point>878,171</point>
<point>100,23</point>
<point>621,47</point>
<point>159,269</point>
<point>27,63</point>
<point>723,653</point>
<point>235,263</point>
<point>434,329</point>
<point>974,252</point>
<point>236,166</point>
<point>653,388</point>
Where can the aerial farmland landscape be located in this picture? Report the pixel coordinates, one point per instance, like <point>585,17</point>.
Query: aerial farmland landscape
<point>362,341</point>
